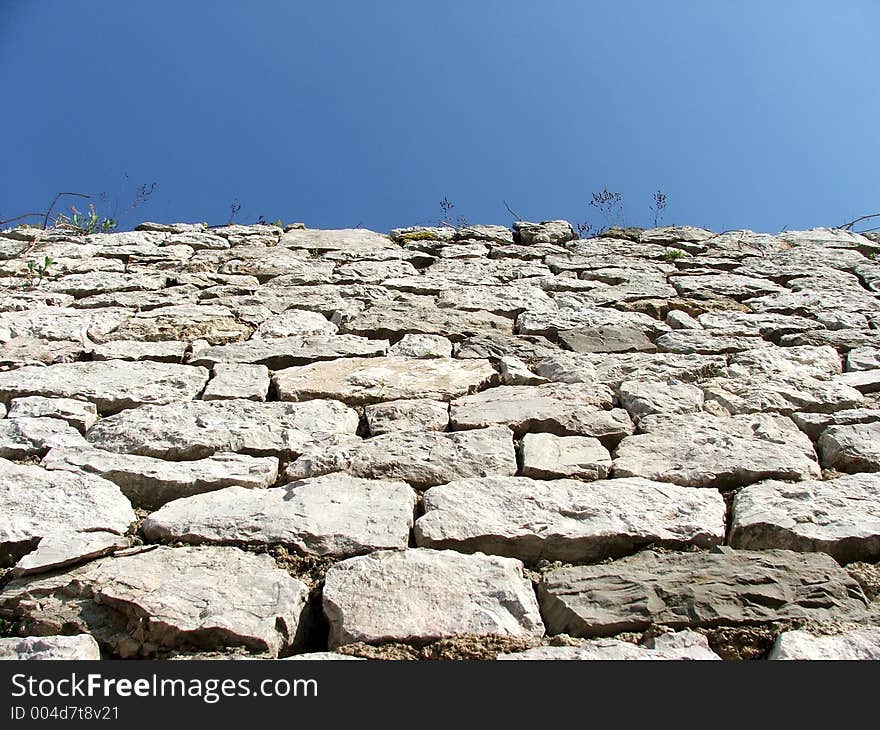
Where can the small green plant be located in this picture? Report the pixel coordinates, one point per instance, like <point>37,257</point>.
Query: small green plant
<point>417,236</point>
<point>87,223</point>
<point>37,271</point>
<point>673,254</point>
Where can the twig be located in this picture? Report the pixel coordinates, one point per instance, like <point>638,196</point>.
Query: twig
<point>849,226</point>
<point>19,217</point>
<point>54,201</point>
<point>516,216</point>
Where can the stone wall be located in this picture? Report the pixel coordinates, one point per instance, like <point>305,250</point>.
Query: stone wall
<point>440,443</point>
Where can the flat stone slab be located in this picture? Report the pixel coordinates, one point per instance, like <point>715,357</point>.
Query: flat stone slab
<point>25,437</point>
<point>407,415</point>
<point>213,323</point>
<point>545,456</point>
<point>418,595</point>
<point>682,645</point>
<point>81,646</point>
<point>567,520</point>
<point>51,519</point>
<point>607,338</point>
<point>21,351</point>
<point>295,322</point>
<point>149,483</point>
<point>563,409</point>
<point>551,323</point>
<point>284,352</point>
<point>804,361</point>
<point>851,448</point>
<point>61,323</point>
<point>736,286</point>
<point>545,232</point>
<point>157,598</point>
<point>231,382</point>
<point>863,358</point>
<point>323,656</point>
<point>393,320</point>
<point>649,397</point>
<point>343,239</point>
<point>504,301</point>
<point>692,590</point>
<point>112,385</point>
<point>198,429</point>
<point>813,424</point>
<point>359,380</point>
<point>613,369</point>
<point>840,517</point>
<point>334,515</point>
<point>423,459</point>
<point>266,262</point>
<point>707,342</point>
<point>865,381</point>
<point>422,346</point>
<point>777,394</point>
<point>82,415</point>
<point>858,644</point>
<point>701,450</point>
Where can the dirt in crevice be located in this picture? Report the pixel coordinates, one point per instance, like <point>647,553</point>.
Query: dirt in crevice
<point>728,513</point>
<point>310,569</point>
<point>867,575</point>
<point>468,646</point>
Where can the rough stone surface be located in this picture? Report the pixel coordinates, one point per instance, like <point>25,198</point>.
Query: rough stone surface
<point>702,450</point>
<point>283,352</point>
<point>149,482</point>
<point>694,590</point>
<point>334,515</point>
<point>183,322</point>
<point>112,385</point>
<point>848,646</point>
<point>840,517</point>
<point>863,358</point>
<point>649,397</point>
<point>545,456</point>
<point>418,595</point>
<point>562,409</point>
<point>57,518</point>
<point>422,346</point>
<point>813,424</point>
<point>26,437</point>
<point>231,382</point>
<point>554,399</point>
<point>422,459</point>
<point>851,448</point>
<point>686,645</point>
<point>162,597</point>
<point>606,339</point>
<point>370,380</point>
<point>407,415</point>
<point>565,519</point>
<point>865,381</point>
<point>201,428</point>
<point>81,646</point>
<point>82,415</point>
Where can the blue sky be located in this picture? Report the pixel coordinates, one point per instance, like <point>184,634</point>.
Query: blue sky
<point>751,114</point>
